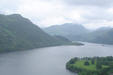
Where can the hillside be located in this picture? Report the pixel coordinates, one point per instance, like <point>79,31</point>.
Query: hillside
<point>19,33</point>
<point>61,38</point>
<point>102,35</point>
<point>68,30</point>
<point>77,32</point>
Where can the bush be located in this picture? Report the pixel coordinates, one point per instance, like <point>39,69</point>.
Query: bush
<point>98,66</point>
<point>86,63</point>
<point>92,61</point>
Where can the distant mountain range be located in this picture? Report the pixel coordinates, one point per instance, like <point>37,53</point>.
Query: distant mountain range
<point>66,29</point>
<point>19,33</point>
<point>102,35</point>
<point>77,32</point>
<point>69,30</point>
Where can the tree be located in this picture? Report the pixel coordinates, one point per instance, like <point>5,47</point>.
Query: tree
<point>98,66</point>
<point>92,61</point>
<point>72,61</point>
<point>86,63</point>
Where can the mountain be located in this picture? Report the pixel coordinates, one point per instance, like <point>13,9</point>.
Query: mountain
<point>102,36</point>
<point>19,33</point>
<point>66,41</point>
<point>61,38</point>
<point>76,32</point>
<point>68,30</point>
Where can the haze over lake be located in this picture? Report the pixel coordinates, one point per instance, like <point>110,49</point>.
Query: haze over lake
<point>49,60</point>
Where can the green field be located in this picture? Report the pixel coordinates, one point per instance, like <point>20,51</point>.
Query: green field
<point>91,66</point>
<point>80,64</point>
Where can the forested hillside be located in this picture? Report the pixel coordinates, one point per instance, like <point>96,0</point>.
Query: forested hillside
<point>19,33</point>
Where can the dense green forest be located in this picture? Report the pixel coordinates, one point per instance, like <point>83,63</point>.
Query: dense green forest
<point>91,65</point>
<point>19,33</point>
<point>77,32</point>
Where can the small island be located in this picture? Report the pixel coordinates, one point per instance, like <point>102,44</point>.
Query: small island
<point>91,65</point>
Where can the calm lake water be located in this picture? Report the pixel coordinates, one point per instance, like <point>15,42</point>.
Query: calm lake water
<point>48,61</point>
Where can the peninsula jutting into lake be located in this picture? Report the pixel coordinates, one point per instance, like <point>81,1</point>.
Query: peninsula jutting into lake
<point>91,65</point>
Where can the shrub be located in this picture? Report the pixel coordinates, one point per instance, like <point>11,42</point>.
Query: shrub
<point>86,63</point>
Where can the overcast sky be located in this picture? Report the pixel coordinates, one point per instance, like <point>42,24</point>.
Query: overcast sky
<point>90,13</point>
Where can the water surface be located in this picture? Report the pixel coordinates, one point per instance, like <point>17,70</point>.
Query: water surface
<point>48,61</point>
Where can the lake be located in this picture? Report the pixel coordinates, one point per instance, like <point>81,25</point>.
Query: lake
<point>49,60</point>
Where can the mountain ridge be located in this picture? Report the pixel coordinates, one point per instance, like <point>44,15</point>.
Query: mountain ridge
<point>19,33</point>
<point>102,35</point>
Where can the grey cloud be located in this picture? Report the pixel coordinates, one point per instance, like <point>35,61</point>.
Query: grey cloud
<point>105,3</point>
<point>97,14</point>
<point>90,11</point>
<point>9,4</point>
